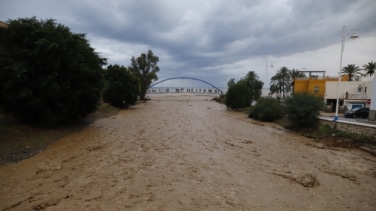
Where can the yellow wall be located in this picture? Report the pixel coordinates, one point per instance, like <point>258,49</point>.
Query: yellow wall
<point>314,85</point>
<point>301,85</point>
<point>311,86</point>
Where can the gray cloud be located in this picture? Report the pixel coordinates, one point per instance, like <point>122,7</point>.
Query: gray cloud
<point>203,37</point>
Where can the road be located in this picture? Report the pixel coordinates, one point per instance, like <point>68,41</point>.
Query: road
<point>329,116</point>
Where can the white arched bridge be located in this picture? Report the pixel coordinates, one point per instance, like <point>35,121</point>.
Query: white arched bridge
<point>184,87</point>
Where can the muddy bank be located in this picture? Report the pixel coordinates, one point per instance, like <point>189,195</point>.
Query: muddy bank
<point>19,141</point>
<point>188,153</point>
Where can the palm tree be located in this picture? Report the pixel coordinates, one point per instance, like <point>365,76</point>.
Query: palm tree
<point>281,81</point>
<point>370,68</point>
<point>251,75</point>
<point>273,89</point>
<point>352,71</point>
<point>295,74</point>
<point>253,82</point>
<point>276,83</point>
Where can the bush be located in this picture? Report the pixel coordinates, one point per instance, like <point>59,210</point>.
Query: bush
<point>48,74</point>
<point>267,109</point>
<point>122,87</point>
<point>238,96</point>
<point>303,109</point>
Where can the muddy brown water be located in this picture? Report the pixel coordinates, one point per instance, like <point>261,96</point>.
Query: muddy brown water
<point>188,153</point>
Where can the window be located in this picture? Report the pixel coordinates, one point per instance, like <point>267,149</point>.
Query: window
<point>360,88</point>
<point>316,89</point>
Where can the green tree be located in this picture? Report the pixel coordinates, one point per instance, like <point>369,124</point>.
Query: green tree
<point>370,68</point>
<point>145,68</point>
<point>255,85</point>
<point>238,95</point>
<point>281,81</point>
<point>354,72</point>
<point>273,89</point>
<point>303,109</point>
<point>48,74</point>
<point>231,82</point>
<point>122,87</point>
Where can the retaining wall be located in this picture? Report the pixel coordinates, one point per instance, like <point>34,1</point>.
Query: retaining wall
<point>351,127</point>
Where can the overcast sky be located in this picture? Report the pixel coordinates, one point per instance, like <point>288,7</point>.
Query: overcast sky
<point>215,40</point>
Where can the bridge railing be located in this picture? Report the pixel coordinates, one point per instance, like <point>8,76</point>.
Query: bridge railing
<point>156,90</point>
<point>153,86</point>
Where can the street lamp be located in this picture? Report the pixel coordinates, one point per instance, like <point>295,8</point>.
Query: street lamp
<point>353,36</point>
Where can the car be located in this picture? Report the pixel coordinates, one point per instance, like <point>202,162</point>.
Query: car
<point>357,112</point>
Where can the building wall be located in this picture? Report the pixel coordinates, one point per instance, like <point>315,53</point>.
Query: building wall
<point>349,91</point>
<point>349,95</point>
<point>351,87</point>
<point>301,85</point>
<point>316,86</point>
<point>331,90</point>
<point>3,25</point>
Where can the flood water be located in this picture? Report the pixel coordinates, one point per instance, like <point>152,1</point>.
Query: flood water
<point>187,152</point>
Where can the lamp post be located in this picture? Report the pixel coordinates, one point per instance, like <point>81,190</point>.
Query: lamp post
<point>353,36</point>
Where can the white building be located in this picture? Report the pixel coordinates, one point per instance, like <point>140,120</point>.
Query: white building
<point>352,94</point>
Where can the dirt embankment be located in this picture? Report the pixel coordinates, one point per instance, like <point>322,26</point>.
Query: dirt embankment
<point>188,153</point>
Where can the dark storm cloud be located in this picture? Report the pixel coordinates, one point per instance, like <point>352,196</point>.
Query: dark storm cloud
<point>136,22</point>
<point>202,36</point>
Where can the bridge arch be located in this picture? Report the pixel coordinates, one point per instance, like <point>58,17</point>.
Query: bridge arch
<point>196,79</point>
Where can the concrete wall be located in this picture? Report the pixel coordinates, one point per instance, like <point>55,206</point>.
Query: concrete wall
<point>351,127</point>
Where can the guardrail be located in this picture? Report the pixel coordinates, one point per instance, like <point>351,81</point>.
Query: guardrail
<point>373,124</point>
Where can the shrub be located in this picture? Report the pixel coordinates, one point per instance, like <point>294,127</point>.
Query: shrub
<point>238,96</point>
<point>267,109</point>
<point>122,87</point>
<point>303,109</point>
<point>48,74</point>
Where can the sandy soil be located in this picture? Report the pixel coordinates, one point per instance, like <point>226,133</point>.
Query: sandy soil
<point>188,153</point>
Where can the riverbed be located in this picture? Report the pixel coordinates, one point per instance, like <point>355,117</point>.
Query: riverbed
<point>188,152</point>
